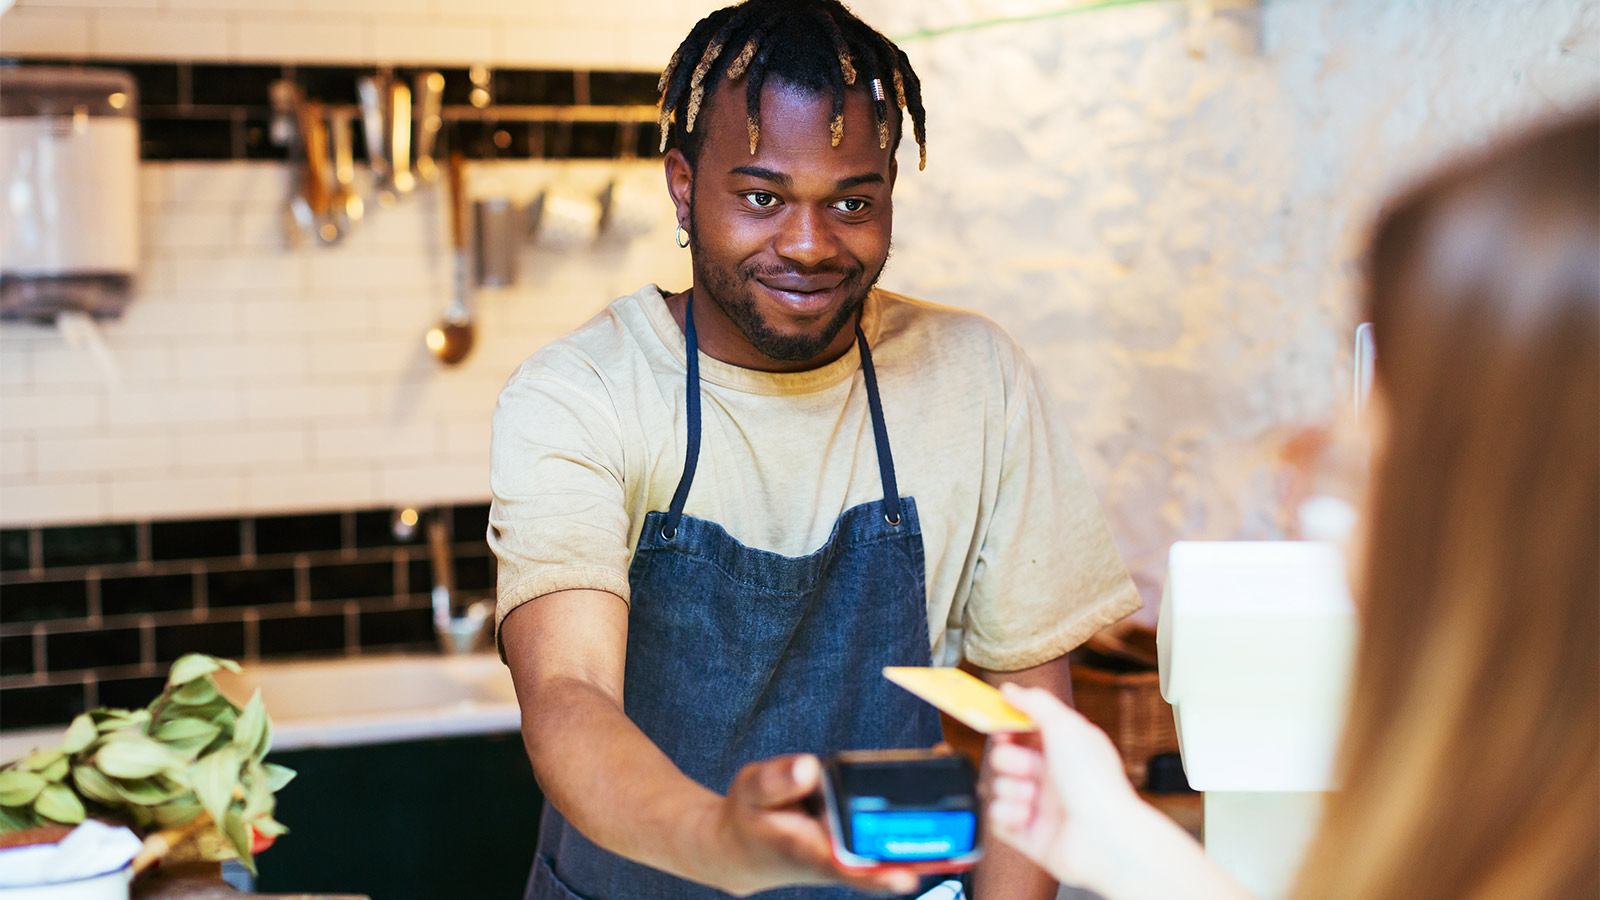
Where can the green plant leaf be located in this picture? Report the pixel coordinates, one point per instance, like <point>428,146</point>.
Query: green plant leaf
<point>150,791</point>
<point>270,827</point>
<point>277,776</point>
<point>214,777</point>
<point>79,735</point>
<point>189,667</point>
<point>56,770</point>
<point>251,730</point>
<point>195,693</point>
<point>58,802</point>
<point>117,720</point>
<point>17,819</point>
<point>188,736</point>
<point>178,812</point>
<point>237,831</point>
<point>19,787</point>
<point>92,783</point>
<point>39,760</point>
<point>258,799</point>
<point>137,757</point>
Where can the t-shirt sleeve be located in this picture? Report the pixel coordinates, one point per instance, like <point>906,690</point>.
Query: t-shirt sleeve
<point>558,520</point>
<point>1048,574</point>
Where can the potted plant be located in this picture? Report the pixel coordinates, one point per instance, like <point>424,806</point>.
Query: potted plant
<point>187,773</point>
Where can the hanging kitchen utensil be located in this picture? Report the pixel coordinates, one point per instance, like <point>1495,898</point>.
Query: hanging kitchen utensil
<point>347,205</point>
<point>374,91</point>
<point>299,222</point>
<point>499,225</point>
<point>400,139</point>
<point>317,186</point>
<point>451,339</point>
<point>429,97</point>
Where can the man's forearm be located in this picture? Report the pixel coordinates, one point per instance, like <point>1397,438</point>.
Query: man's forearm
<point>614,785</point>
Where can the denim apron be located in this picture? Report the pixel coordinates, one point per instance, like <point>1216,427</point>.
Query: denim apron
<point>737,654</point>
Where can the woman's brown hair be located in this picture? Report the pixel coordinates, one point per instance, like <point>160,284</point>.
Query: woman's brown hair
<point>1471,758</point>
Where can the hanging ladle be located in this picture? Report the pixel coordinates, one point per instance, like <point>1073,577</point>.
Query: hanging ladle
<point>451,339</point>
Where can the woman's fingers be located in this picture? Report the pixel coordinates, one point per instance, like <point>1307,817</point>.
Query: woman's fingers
<point>1016,761</point>
<point>1014,790</point>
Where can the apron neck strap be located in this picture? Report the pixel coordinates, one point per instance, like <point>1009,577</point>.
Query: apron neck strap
<point>880,433</point>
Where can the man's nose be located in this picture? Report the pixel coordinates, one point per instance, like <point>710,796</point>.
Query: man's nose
<point>806,238</point>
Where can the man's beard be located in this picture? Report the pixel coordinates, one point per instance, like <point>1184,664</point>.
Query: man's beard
<point>731,292</point>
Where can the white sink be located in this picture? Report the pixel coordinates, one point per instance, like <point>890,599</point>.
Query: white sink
<point>359,700</point>
<point>377,699</point>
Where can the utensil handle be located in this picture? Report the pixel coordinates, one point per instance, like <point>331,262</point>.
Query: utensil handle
<point>429,94</point>
<point>400,136</point>
<point>314,138</point>
<point>374,96</point>
<point>458,206</point>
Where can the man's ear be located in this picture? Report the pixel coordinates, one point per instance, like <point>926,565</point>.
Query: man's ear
<point>680,183</point>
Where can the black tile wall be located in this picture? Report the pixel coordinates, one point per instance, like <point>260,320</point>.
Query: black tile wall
<point>16,655</point>
<point>623,88</point>
<point>130,693</point>
<point>302,635</point>
<point>475,573</point>
<point>470,524</point>
<point>175,138</point>
<point>352,581</point>
<point>27,602</point>
<point>374,529</point>
<point>33,707</point>
<point>298,534</point>
<point>392,628</point>
<point>87,545</point>
<point>196,539</point>
<point>512,87</point>
<point>89,649</point>
<point>114,604</point>
<point>221,111</point>
<point>250,587</point>
<point>146,593</point>
<point>13,549</point>
<point>216,638</point>
<point>236,85</point>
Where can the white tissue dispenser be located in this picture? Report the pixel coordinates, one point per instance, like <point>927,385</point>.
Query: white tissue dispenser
<point>1255,641</point>
<point>69,170</point>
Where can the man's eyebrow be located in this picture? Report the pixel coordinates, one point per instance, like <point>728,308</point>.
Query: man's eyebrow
<point>857,180</point>
<point>783,180</point>
<point>777,178</point>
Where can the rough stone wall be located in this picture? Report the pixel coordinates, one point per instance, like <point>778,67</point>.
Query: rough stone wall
<point>1173,238</point>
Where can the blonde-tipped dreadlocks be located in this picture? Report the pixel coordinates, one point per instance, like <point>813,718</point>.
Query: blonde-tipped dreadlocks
<point>816,45</point>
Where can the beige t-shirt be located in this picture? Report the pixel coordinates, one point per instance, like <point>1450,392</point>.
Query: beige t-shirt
<point>590,433</point>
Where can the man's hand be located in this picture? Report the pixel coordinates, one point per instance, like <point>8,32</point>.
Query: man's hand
<point>773,841</point>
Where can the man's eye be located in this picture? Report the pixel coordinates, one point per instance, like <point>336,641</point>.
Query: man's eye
<point>761,199</point>
<point>851,205</point>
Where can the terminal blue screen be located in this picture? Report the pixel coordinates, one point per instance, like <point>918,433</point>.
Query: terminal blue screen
<point>912,835</point>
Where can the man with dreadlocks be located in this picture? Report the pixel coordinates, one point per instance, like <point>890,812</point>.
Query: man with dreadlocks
<point>708,550</point>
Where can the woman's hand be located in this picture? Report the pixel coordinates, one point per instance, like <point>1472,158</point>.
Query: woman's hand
<point>1068,807</point>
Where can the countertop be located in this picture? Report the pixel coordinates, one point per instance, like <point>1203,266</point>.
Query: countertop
<point>204,882</point>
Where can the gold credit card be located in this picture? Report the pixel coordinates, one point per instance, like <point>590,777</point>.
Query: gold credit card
<point>962,697</point>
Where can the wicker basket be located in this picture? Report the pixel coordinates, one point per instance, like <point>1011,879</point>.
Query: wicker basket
<point>1129,707</point>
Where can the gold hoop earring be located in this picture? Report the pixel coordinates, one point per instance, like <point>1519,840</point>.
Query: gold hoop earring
<point>680,237</point>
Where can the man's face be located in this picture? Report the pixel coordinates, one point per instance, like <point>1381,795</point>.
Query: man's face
<point>788,242</point>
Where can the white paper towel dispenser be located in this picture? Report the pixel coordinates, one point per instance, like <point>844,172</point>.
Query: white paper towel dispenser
<point>69,169</point>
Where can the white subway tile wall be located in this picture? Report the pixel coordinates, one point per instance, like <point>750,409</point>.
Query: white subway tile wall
<point>638,34</point>
<point>256,376</point>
